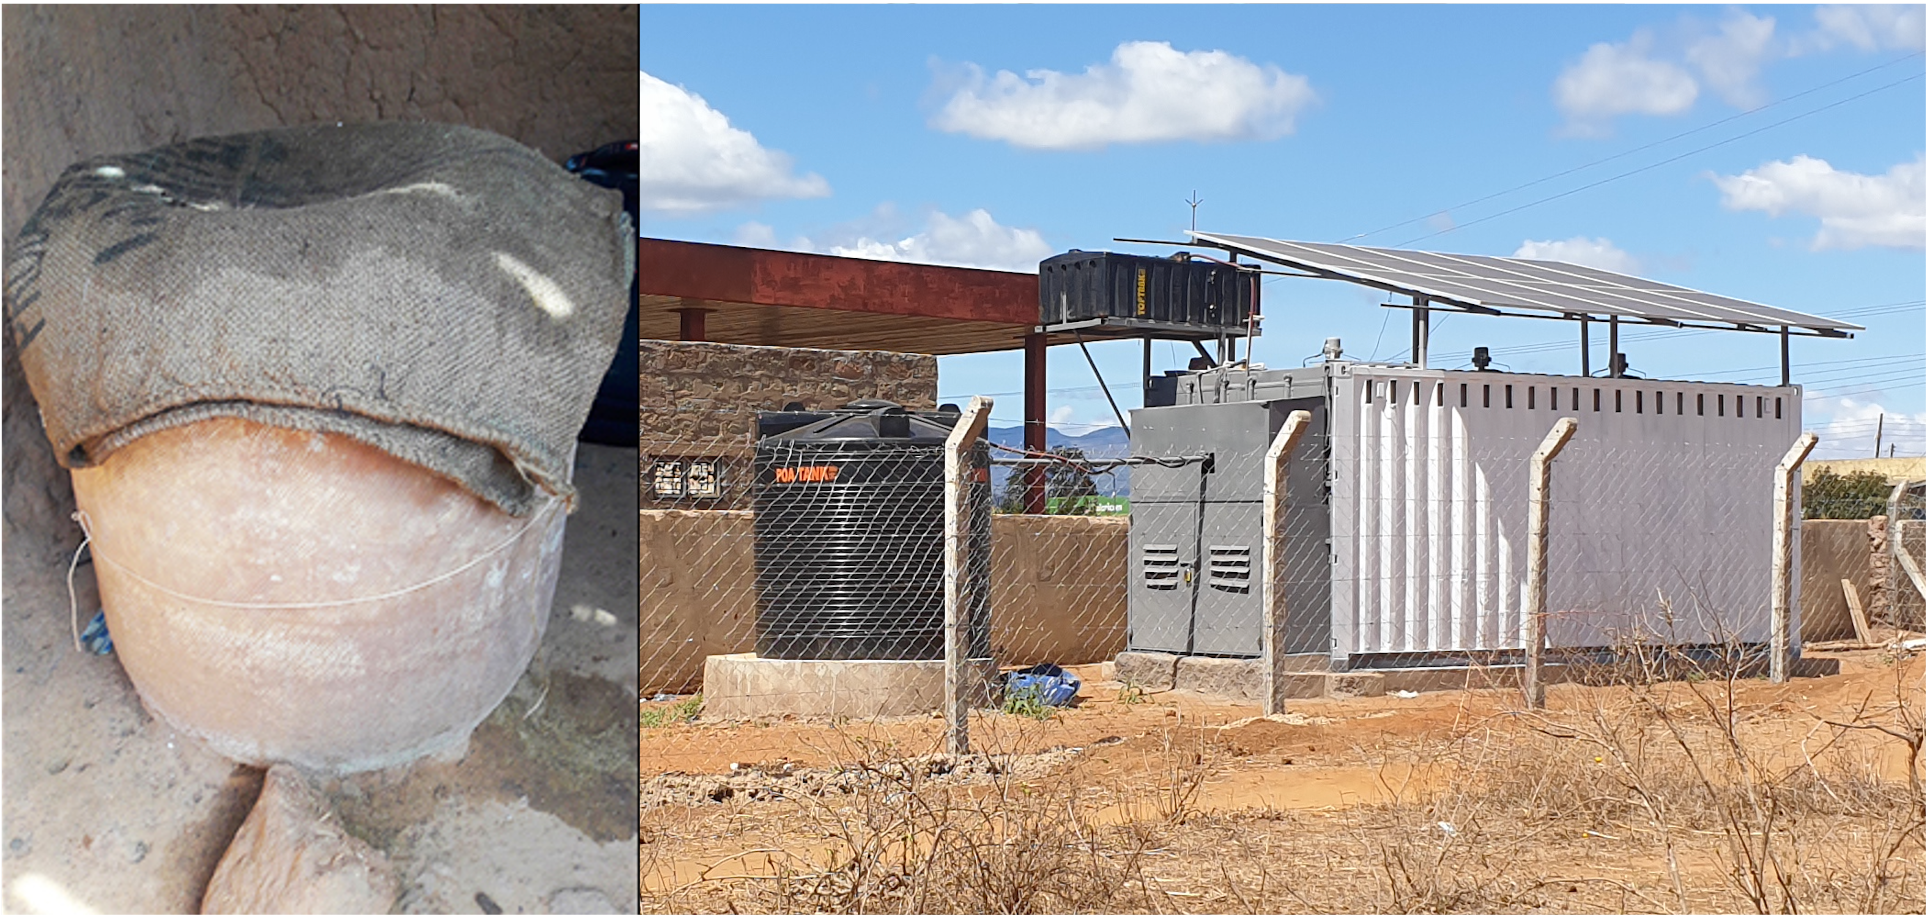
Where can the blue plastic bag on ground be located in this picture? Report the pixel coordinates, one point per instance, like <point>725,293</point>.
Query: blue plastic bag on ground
<point>1054,686</point>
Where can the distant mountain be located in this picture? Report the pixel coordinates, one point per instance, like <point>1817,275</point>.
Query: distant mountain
<point>1105,437</point>
<point>1106,442</point>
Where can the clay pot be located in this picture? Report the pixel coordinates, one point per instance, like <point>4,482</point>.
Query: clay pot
<point>299,597</point>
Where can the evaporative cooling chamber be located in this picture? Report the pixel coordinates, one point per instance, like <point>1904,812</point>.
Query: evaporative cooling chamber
<point>1405,532</point>
<point>1407,511</point>
<point>849,523</point>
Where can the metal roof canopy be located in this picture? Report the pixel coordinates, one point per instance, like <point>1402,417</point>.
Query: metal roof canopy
<point>1484,285</point>
<point>768,298</point>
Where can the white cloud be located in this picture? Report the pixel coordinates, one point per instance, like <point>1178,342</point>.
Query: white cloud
<point>1061,416</point>
<point>1846,427</point>
<point>1613,79</point>
<point>1855,209</point>
<point>1638,77</point>
<point>1597,253</point>
<point>973,240</point>
<point>1730,60</point>
<point>694,161</point>
<point>754,234</point>
<point>1871,27</point>
<point>1148,93</point>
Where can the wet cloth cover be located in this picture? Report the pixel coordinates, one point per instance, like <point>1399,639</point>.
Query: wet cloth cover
<point>442,293</point>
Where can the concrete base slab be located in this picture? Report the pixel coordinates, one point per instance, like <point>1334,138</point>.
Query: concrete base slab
<point>1344,684</point>
<point>1146,670</point>
<point>1241,678</point>
<point>1232,678</point>
<point>1812,666</point>
<point>745,685</point>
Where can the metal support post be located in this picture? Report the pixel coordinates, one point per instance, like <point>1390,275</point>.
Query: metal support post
<point>690,325</point>
<point>1787,527</point>
<point>1784,356</point>
<point>959,581</point>
<point>1533,620</point>
<point>1145,375</point>
<point>1035,421</point>
<point>1584,348</point>
<point>1273,651</point>
<point>1614,346</point>
<point>1421,327</point>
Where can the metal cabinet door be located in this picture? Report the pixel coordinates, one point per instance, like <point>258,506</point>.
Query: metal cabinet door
<point>1228,614</point>
<point>1163,571</point>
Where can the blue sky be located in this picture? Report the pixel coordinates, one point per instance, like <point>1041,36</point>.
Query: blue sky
<point>1776,152</point>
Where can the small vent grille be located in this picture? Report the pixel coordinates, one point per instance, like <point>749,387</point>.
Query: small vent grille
<point>1230,569</point>
<point>1159,564</point>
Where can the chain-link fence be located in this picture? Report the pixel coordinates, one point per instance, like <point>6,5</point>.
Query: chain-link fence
<point>795,585</point>
<point>1905,560</point>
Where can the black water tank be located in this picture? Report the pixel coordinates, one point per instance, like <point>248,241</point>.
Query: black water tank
<point>849,521</point>
<point>1205,294</point>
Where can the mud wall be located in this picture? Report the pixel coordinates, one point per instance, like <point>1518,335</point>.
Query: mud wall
<point>86,80</point>
<point>1856,550</point>
<point>1057,595</point>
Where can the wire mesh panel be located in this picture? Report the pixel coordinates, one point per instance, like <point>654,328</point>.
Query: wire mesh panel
<point>1402,546</point>
<point>849,541</point>
<point>824,597</point>
<point>1661,519</point>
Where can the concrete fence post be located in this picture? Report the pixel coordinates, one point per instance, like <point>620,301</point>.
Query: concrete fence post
<point>1273,560</point>
<point>1533,618</point>
<point>959,582</point>
<point>1787,526</point>
<point>1899,557</point>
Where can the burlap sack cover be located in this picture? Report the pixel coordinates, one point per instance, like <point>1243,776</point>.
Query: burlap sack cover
<point>441,293</point>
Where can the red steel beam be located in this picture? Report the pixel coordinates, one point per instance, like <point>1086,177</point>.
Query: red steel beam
<point>726,273</point>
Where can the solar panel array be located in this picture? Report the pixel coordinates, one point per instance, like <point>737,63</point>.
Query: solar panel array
<point>1484,283</point>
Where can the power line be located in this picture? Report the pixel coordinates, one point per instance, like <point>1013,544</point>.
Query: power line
<point>1646,146</point>
<point>1910,380</point>
<point>1655,165</point>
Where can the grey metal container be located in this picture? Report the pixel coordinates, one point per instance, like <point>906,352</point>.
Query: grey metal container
<point>1196,552</point>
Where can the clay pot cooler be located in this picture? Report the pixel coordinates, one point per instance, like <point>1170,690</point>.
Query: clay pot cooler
<point>299,597</point>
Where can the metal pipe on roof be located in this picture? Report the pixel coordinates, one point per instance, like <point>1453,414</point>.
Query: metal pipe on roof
<point>1420,331</point>
<point>1784,356</point>
<point>1614,346</point>
<point>1584,348</point>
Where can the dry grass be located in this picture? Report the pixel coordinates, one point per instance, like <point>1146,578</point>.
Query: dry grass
<point>1657,795</point>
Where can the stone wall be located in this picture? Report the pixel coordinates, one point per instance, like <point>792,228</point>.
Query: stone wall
<point>1856,550</point>
<point>700,403</point>
<point>1901,604</point>
<point>1058,591</point>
